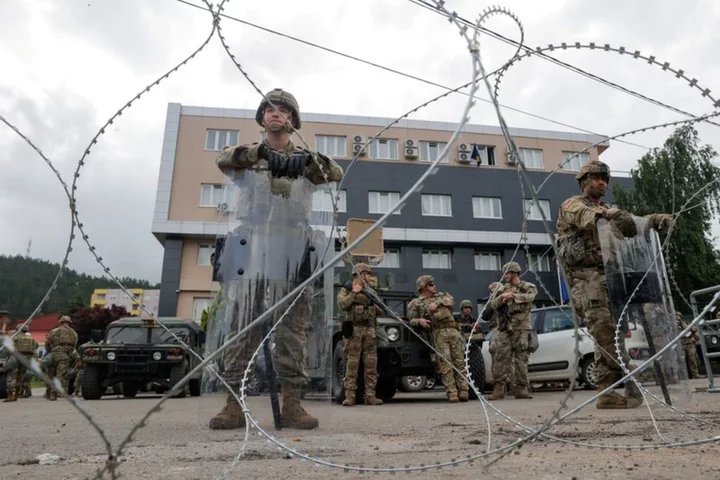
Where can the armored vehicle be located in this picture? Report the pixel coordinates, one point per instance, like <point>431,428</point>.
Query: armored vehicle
<point>137,351</point>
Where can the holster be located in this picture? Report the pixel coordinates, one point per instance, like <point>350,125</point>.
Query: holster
<point>347,329</point>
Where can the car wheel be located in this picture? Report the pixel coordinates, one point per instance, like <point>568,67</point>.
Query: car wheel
<point>3,385</point>
<point>476,366</point>
<point>412,383</point>
<point>430,383</point>
<point>130,389</point>
<point>90,388</point>
<point>587,373</point>
<point>177,373</point>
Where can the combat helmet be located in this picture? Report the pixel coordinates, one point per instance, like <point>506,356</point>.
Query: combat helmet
<point>513,267</point>
<point>423,281</point>
<point>465,303</point>
<point>358,268</point>
<point>279,97</point>
<point>22,328</point>
<point>596,167</point>
<point>64,319</point>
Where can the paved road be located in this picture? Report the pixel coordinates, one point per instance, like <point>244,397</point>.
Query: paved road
<point>413,429</point>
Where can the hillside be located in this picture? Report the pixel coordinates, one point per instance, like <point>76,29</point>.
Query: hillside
<point>24,281</point>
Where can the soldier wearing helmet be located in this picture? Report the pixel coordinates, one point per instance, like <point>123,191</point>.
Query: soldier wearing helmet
<point>362,314</point>
<point>15,370</point>
<point>512,339</point>
<point>581,259</point>
<point>61,343</point>
<point>465,319</point>
<point>689,342</point>
<point>433,310</point>
<point>277,180</point>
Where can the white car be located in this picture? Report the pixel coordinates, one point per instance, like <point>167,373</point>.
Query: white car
<point>555,359</point>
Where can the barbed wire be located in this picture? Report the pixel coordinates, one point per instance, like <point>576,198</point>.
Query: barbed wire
<point>478,74</point>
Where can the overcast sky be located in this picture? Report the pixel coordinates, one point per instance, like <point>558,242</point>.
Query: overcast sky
<point>68,66</point>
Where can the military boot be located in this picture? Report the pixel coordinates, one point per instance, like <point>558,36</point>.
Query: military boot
<point>463,396</point>
<point>371,399</point>
<point>453,397</point>
<point>293,415</point>
<point>11,397</point>
<point>498,392</point>
<point>521,393</point>
<point>53,395</point>
<point>349,400</point>
<point>633,395</point>
<point>230,417</point>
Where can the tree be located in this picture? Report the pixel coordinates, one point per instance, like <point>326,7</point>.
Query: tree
<point>667,180</point>
<point>96,317</point>
<point>73,305</point>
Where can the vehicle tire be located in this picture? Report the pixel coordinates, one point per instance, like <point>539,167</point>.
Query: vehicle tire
<point>587,373</point>
<point>338,373</point>
<point>413,383</point>
<point>194,387</point>
<point>476,366</point>
<point>430,383</point>
<point>3,385</point>
<point>177,373</point>
<point>91,389</point>
<point>384,390</point>
<point>130,389</point>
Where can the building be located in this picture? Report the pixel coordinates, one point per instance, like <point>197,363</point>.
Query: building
<point>115,296</point>
<point>464,224</point>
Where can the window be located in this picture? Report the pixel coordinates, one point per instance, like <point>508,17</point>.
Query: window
<point>199,304</point>
<point>487,261</point>
<point>382,202</point>
<point>384,148</point>
<point>487,207</point>
<point>538,263</point>
<point>391,258</point>
<point>430,151</point>
<point>323,198</point>
<point>532,158</point>
<point>213,194</point>
<point>578,160</point>
<point>218,139</point>
<point>204,252</point>
<point>437,205</point>
<point>533,211</point>
<point>485,154</point>
<point>437,259</point>
<point>557,321</point>
<point>331,145</point>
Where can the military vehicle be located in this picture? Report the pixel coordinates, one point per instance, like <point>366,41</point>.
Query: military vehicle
<point>3,376</point>
<point>137,351</point>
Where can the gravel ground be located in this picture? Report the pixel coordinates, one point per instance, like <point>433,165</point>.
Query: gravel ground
<point>413,429</point>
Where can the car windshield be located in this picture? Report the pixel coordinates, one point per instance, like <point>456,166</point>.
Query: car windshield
<point>127,335</point>
<point>160,335</point>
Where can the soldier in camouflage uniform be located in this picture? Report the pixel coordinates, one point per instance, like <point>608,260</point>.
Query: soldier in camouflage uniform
<point>286,167</point>
<point>61,343</point>
<point>25,388</point>
<point>582,260</point>
<point>688,343</point>
<point>433,310</point>
<point>512,342</point>
<point>465,319</point>
<point>362,314</point>
<point>16,374</point>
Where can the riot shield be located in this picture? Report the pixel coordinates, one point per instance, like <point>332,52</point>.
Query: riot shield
<point>641,300</point>
<point>269,240</point>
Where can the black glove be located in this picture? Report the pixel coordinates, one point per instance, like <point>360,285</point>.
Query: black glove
<point>297,163</point>
<point>277,162</point>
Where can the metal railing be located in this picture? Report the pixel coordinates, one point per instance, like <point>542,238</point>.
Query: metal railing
<point>706,332</point>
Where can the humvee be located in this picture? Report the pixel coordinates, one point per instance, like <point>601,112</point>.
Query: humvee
<point>137,352</point>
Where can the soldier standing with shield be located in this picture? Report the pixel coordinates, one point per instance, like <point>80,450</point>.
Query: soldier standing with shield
<point>267,255</point>
<point>579,247</point>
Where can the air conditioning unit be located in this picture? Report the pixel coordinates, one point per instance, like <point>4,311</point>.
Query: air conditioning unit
<point>411,153</point>
<point>510,158</point>
<point>464,147</point>
<point>411,143</point>
<point>358,148</point>
<point>223,209</point>
<point>464,157</point>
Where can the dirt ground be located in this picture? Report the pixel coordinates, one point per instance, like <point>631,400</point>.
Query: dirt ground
<point>411,430</point>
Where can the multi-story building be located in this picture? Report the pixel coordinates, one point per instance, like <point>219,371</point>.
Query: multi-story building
<point>464,224</point>
<point>114,296</point>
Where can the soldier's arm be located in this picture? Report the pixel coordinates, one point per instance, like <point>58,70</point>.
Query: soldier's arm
<point>345,299</point>
<point>447,300</point>
<point>579,215</point>
<point>496,302</point>
<point>379,310</point>
<point>528,296</point>
<point>331,169</point>
<point>414,313</point>
<point>241,157</point>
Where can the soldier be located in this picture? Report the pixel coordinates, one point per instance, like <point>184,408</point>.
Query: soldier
<point>433,310</point>
<point>276,204</point>
<point>465,319</point>
<point>688,343</point>
<point>512,337</point>
<point>496,321</point>
<point>25,389</point>
<point>16,373</point>
<point>61,343</point>
<point>581,255</point>
<point>362,315</point>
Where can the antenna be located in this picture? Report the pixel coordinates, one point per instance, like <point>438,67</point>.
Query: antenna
<point>29,247</point>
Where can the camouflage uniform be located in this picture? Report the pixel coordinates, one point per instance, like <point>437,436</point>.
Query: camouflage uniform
<point>362,313</point>
<point>16,375</point>
<point>512,344</point>
<point>61,343</point>
<point>25,388</point>
<point>289,355</point>
<point>579,248</point>
<point>446,337</point>
<point>688,343</point>
<point>465,322</point>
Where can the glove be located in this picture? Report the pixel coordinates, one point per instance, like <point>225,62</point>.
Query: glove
<point>297,163</point>
<point>611,213</point>
<point>625,223</point>
<point>277,162</point>
<point>662,221</point>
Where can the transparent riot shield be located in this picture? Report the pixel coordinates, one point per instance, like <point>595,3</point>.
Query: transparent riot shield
<point>269,241</point>
<point>641,301</point>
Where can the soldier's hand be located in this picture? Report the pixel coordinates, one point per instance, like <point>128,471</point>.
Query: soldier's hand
<point>357,287</point>
<point>506,296</point>
<point>277,162</point>
<point>433,307</point>
<point>297,163</point>
<point>424,323</point>
<point>663,221</point>
<point>610,213</point>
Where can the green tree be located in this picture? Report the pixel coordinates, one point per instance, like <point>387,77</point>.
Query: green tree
<point>667,180</point>
<point>87,319</point>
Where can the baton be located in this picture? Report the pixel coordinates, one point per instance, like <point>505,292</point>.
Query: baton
<point>272,380</point>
